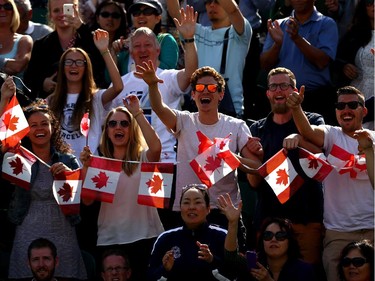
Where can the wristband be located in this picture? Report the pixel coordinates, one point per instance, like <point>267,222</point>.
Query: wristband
<point>138,113</point>
<point>191,40</point>
<point>105,52</point>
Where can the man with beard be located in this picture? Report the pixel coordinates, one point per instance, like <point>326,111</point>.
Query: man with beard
<point>277,130</point>
<point>348,197</point>
<point>43,260</point>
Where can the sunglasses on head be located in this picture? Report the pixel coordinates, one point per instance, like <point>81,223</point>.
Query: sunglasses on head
<point>113,15</point>
<point>357,262</point>
<point>212,88</point>
<point>279,236</point>
<point>146,12</point>
<point>199,186</point>
<point>351,105</point>
<point>7,6</point>
<point>122,123</point>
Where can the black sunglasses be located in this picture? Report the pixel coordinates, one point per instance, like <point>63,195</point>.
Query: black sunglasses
<point>351,105</point>
<point>113,15</point>
<point>123,123</point>
<point>146,12</point>
<point>280,235</point>
<point>7,6</point>
<point>357,262</point>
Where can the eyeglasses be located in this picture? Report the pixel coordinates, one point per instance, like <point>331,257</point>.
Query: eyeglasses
<point>123,123</point>
<point>282,86</point>
<point>113,15</point>
<point>280,235</point>
<point>117,269</point>
<point>351,105</point>
<point>70,62</point>
<point>212,88</point>
<point>7,6</point>
<point>146,12</point>
<point>357,262</point>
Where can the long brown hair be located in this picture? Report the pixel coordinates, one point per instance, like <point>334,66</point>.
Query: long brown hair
<point>85,98</point>
<point>134,147</point>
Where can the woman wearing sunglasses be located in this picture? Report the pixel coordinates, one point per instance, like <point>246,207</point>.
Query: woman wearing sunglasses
<point>15,49</point>
<point>125,223</point>
<point>278,255</point>
<point>35,212</point>
<point>194,250</point>
<point>357,262</point>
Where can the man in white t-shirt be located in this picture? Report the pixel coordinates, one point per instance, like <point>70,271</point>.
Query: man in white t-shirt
<point>348,201</point>
<point>144,47</point>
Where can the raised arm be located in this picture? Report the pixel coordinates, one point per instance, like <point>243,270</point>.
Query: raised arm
<point>85,158</point>
<point>234,13</point>
<point>366,146</point>
<point>314,134</point>
<point>173,7</point>
<point>131,102</point>
<point>19,63</point>
<point>8,90</point>
<point>186,27</point>
<point>165,114</point>
<point>270,57</point>
<point>101,40</point>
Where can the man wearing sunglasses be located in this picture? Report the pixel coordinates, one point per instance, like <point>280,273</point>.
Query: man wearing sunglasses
<point>348,200</point>
<point>277,131</point>
<point>224,16</point>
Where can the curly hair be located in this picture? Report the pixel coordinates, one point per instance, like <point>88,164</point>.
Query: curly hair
<point>293,251</point>
<point>134,147</point>
<point>40,105</point>
<point>85,98</point>
<point>367,251</point>
<point>208,71</point>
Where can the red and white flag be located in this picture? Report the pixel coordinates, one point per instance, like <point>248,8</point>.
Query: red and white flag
<point>315,166</point>
<point>101,179</point>
<point>345,162</point>
<point>17,166</point>
<point>67,191</point>
<point>214,160</point>
<point>13,124</point>
<point>156,184</point>
<point>280,174</point>
<point>85,124</point>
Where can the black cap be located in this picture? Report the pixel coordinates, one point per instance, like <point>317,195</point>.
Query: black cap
<point>151,3</point>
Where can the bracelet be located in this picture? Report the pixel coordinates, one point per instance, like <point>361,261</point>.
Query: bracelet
<point>105,52</point>
<point>138,113</point>
<point>191,40</point>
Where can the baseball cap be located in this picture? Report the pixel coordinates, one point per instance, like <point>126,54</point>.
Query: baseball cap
<point>150,3</point>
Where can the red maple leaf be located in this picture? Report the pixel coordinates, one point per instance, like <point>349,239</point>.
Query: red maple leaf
<point>222,145</point>
<point>212,163</point>
<point>156,183</point>
<point>66,192</point>
<point>100,180</point>
<point>313,162</point>
<point>10,122</point>
<point>85,126</point>
<point>282,177</point>
<point>17,166</point>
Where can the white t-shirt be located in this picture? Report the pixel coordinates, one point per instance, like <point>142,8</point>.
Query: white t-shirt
<point>172,96</point>
<point>348,203</point>
<point>72,135</point>
<point>124,220</point>
<point>186,132</point>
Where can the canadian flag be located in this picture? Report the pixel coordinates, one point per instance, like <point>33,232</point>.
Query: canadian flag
<point>67,191</point>
<point>214,160</point>
<point>85,124</point>
<point>13,124</point>
<point>315,166</point>
<point>280,174</point>
<point>101,179</point>
<point>17,166</point>
<point>345,162</point>
<point>156,184</point>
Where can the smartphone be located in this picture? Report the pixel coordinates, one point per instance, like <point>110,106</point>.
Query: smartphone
<point>251,257</point>
<point>68,9</point>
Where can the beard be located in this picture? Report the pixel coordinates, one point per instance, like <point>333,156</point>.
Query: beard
<point>279,108</point>
<point>47,275</point>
